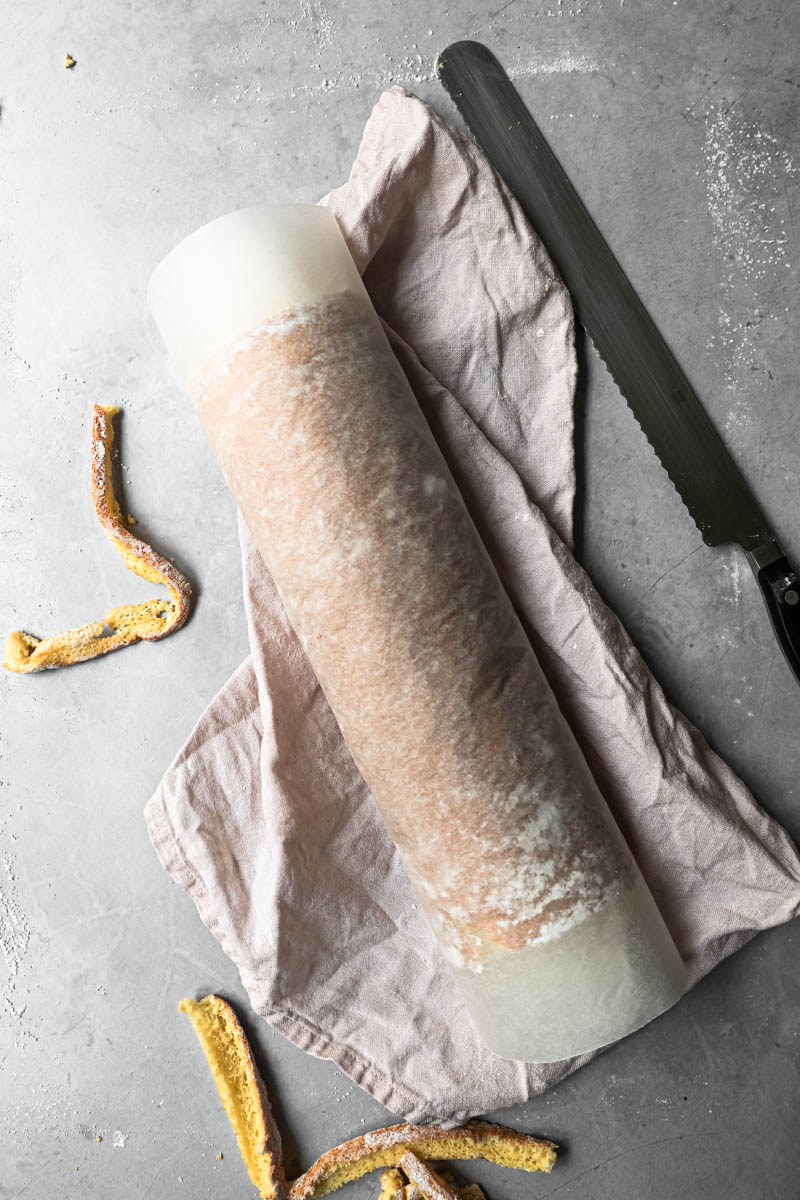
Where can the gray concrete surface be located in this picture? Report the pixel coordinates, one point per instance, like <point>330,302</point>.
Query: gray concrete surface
<point>678,122</point>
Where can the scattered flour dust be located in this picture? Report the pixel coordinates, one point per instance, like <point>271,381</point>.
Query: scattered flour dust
<point>731,578</point>
<point>320,29</point>
<point>314,28</point>
<point>15,933</point>
<point>15,936</point>
<point>557,64</point>
<point>119,1139</point>
<point>40,1115</point>
<point>746,170</point>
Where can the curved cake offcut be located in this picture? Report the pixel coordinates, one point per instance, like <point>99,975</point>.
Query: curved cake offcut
<point>385,1148</point>
<point>128,623</point>
<point>396,1186</point>
<point>428,1182</point>
<point>241,1090</point>
<point>245,1100</point>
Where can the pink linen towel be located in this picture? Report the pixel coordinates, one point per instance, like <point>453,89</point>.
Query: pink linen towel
<point>263,817</point>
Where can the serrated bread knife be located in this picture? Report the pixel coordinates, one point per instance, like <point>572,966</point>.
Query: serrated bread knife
<point>654,386</point>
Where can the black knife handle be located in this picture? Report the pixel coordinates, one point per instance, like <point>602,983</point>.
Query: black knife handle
<point>780,586</point>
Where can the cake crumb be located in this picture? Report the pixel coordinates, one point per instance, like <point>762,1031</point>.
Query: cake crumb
<point>69,61</point>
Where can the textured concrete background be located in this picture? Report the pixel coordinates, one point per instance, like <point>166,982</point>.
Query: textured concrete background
<point>678,122</point>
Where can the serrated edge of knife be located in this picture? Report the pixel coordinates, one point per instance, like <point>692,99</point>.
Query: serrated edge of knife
<point>767,533</point>
<point>643,431</point>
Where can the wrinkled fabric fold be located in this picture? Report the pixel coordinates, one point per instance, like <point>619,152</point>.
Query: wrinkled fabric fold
<point>263,817</point>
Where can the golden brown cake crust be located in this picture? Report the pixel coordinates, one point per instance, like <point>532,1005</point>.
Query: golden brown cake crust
<point>476,1139</point>
<point>110,517</point>
<point>430,1184</point>
<point>128,623</point>
<point>245,1100</point>
<point>396,1186</point>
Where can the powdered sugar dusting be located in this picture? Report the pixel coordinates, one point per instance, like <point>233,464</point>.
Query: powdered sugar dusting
<point>563,63</point>
<point>15,936</point>
<point>405,69</point>
<point>733,572</point>
<point>37,1113</point>
<point>745,174</point>
<point>448,719</point>
<point>14,930</point>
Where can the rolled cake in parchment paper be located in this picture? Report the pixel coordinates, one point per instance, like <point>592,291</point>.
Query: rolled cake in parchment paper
<point>530,889</point>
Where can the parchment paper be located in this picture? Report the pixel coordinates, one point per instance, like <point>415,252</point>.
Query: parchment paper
<point>264,819</point>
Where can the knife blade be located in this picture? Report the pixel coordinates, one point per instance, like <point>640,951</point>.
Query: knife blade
<point>652,382</point>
